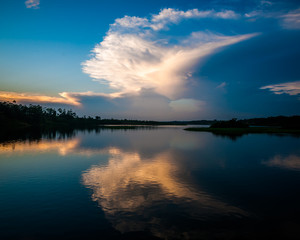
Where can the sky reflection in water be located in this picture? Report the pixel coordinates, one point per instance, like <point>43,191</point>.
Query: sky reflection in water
<point>166,182</point>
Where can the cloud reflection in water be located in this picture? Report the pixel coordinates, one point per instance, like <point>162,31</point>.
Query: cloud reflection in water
<point>291,162</point>
<point>136,194</point>
<point>62,147</point>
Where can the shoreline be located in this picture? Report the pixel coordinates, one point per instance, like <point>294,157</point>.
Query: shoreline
<point>244,130</point>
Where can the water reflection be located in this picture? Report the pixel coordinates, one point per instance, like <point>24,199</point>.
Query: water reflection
<point>291,162</point>
<point>235,136</point>
<point>164,182</point>
<point>61,146</point>
<point>135,192</point>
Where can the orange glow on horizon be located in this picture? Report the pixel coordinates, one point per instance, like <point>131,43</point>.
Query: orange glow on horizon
<point>36,98</point>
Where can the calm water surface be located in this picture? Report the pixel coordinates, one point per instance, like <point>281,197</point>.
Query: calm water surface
<point>150,184</point>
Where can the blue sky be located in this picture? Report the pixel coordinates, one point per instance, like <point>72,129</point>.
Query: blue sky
<point>160,60</point>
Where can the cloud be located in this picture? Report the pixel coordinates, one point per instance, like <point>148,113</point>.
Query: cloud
<point>115,104</point>
<point>291,88</point>
<point>291,162</point>
<point>266,3</point>
<point>64,98</point>
<point>144,62</point>
<point>129,63</point>
<point>291,20</point>
<point>133,56</point>
<point>262,10</point>
<point>32,4</point>
<point>287,18</point>
<point>69,98</point>
<point>169,16</point>
<point>222,85</point>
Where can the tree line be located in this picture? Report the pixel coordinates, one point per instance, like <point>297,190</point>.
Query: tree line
<point>13,115</point>
<point>18,115</point>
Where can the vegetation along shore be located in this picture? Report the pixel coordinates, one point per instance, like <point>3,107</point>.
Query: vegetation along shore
<point>17,116</point>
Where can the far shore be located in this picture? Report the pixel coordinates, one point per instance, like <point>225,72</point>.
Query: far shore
<point>244,130</point>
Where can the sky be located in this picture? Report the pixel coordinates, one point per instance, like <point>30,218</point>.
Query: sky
<point>155,60</point>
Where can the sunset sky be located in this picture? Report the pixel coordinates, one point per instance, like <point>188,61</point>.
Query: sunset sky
<point>156,60</point>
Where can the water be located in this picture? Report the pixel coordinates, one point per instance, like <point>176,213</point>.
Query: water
<point>161,183</point>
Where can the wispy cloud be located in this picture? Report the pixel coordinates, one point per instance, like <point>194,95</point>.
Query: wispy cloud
<point>69,98</point>
<point>64,98</point>
<point>287,18</point>
<point>32,4</point>
<point>291,88</point>
<point>262,10</point>
<point>291,20</point>
<point>222,85</point>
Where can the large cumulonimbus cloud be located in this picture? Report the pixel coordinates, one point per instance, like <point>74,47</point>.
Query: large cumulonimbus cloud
<point>148,66</point>
<point>137,53</point>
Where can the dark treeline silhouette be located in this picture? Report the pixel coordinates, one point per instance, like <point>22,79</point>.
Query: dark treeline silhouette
<point>13,115</point>
<point>19,116</point>
<point>292,122</point>
<point>235,129</point>
<point>233,123</point>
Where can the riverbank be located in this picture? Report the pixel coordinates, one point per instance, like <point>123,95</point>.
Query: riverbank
<point>244,130</point>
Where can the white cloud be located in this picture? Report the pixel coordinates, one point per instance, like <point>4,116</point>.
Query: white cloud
<point>130,63</point>
<point>291,20</point>
<point>169,16</point>
<point>143,64</point>
<point>132,56</point>
<point>32,4</point>
<point>228,14</point>
<point>291,88</point>
<point>131,22</point>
